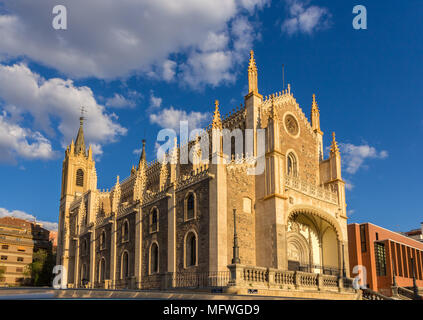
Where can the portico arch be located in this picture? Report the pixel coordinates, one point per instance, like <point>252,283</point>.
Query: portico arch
<point>315,233</point>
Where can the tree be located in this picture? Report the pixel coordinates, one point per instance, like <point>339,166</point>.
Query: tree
<point>40,270</point>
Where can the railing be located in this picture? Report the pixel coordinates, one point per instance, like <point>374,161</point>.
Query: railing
<point>186,280</point>
<point>321,269</point>
<point>369,294</point>
<point>331,281</point>
<point>327,193</point>
<point>200,279</point>
<point>287,279</point>
<point>408,293</point>
<point>255,274</point>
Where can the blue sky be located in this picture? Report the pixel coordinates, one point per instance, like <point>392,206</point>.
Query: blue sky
<point>139,66</point>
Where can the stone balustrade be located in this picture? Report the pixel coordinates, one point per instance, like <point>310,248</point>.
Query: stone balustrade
<point>259,277</point>
<point>328,193</point>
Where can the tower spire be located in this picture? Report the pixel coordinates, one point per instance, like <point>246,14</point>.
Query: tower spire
<point>334,149</point>
<point>80,141</point>
<point>252,74</point>
<point>217,121</point>
<point>315,115</point>
<point>142,157</point>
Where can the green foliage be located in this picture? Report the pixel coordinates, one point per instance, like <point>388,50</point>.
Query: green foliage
<point>40,270</point>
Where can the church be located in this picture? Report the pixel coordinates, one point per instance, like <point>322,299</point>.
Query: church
<point>214,225</point>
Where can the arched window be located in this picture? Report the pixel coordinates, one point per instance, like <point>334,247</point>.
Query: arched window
<point>103,240</point>
<point>191,250</point>
<point>154,220</point>
<point>80,178</point>
<point>154,258</point>
<point>233,149</point>
<point>125,231</point>
<point>125,265</point>
<point>292,165</point>
<point>190,205</point>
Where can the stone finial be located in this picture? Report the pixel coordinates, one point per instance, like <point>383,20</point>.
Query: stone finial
<point>314,105</point>
<point>217,120</point>
<point>252,74</point>
<point>334,149</point>
<point>273,112</point>
<point>142,161</point>
<point>252,67</point>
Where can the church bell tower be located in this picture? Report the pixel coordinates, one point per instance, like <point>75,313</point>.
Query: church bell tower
<point>78,176</point>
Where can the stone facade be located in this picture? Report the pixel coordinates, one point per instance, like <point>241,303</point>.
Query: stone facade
<point>169,220</point>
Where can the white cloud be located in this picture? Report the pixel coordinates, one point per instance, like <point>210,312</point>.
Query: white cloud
<point>155,102</point>
<point>17,141</point>
<point>305,19</point>
<point>24,92</point>
<point>355,156</point>
<point>119,101</point>
<point>169,70</point>
<point>170,118</point>
<point>109,39</point>
<point>215,61</point>
<point>349,185</point>
<point>52,226</point>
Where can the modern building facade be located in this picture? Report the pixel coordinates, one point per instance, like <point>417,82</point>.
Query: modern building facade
<point>385,253</point>
<point>19,239</point>
<point>171,220</point>
<point>416,234</point>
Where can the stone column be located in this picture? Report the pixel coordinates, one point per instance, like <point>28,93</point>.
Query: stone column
<point>113,253</point>
<point>171,236</point>
<point>76,270</point>
<point>218,235</point>
<point>138,247</point>
<point>92,258</point>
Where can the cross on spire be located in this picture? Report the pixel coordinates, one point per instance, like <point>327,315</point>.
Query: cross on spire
<point>83,111</point>
<point>80,141</point>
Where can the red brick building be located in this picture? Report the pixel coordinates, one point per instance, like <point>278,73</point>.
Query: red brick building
<point>384,252</point>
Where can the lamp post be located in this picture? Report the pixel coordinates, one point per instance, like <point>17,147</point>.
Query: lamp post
<point>343,263</point>
<point>235,259</point>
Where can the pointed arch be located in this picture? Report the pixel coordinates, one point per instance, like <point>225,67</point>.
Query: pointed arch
<point>154,258</point>
<point>125,231</point>
<point>154,219</point>
<point>80,177</point>
<point>191,249</point>
<point>190,205</point>
<point>124,265</point>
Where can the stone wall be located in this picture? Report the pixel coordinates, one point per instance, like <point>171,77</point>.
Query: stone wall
<point>200,225</point>
<point>160,237</point>
<point>241,186</point>
<point>103,253</point>
<point>129,246</point>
